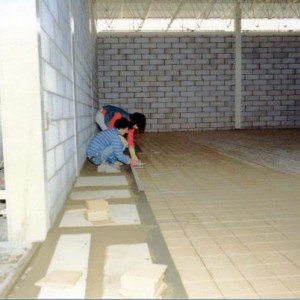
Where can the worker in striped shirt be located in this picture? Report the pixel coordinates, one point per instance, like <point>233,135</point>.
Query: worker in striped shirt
<point>109,114</point>
<point>106,147</point>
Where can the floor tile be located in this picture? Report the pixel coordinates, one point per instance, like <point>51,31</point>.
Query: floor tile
<point>244,259</point>
<point>293,255</point>
<point>182,252</point>
<point>260,247</point>
<point>255,271</point>
<point>237,289</point>
<point>225,273</point>
<point>212,200</point>
<point>216,260</point>
<point>212,249</point>
<point>194,275</point>
<point>203,290</point>
<point>188,263</point>
<point>101,181</point>
<point>223,240</point>
<point>237,248</point>
<point>291,283</point>
<point>273,257</point>
<point>100,194</point>
<point>170,226</point>
<point>173,234</point>
<point>184,242</point>
<point>266,287</point>
<point>284,269</point>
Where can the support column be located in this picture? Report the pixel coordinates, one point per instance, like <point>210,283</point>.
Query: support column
<point>74,94</point>
<point>91,26</point>
<point>22,121</point>
<point>238,66</point>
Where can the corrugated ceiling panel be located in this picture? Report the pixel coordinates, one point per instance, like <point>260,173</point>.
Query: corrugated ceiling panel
<point>114,9</point>
<point>163,9</point>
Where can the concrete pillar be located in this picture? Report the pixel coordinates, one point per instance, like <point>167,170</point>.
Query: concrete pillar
<point>74,96</point>
<point>238,66</point>
<point>22,121</point>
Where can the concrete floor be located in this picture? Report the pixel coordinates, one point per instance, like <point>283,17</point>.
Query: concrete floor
<point>13,256</point>
<point>230,215</point>
<point>102,237</point>
<point>227,205</point>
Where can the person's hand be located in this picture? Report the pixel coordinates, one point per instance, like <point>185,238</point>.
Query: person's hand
<point>134,161</point>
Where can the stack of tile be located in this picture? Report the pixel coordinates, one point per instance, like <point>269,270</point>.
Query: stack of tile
<point>143,281</point>
<point>106,168</point>
<point>60,278</point>
<point>97,210</point>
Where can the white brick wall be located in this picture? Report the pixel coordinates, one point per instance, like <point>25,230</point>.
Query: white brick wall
<point>57,86</point>
<point>85,74</point>
<point>1,141</point>
<point>57,83</point>
<point>185,83</point>
<point>177,82</point>
<point>271,81</point>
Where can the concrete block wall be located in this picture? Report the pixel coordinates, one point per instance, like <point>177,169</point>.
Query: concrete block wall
<point>187,83</point>
<point>1,140</point>
<point>85,67</point>
<point>179,83</point>
<point>66,102</point>
<point>271,81</point>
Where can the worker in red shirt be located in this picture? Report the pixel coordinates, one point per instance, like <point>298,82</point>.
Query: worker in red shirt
<point>109,114</point>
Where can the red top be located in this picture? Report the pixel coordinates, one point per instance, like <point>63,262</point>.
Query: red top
<point>111,123</point>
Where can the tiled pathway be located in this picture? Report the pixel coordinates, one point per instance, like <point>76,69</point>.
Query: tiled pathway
<point>232,228</point>
<point>101,253</point>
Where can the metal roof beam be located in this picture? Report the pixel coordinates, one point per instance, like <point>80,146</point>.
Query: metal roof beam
<point>208,12</point>
<point>205,13</point>
<point>175,14</point>
<point>122,9</point>
<point>146,15</point>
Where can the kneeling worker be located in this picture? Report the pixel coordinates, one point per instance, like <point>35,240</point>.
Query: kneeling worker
<point>106,147</point>
<point>109,114</point>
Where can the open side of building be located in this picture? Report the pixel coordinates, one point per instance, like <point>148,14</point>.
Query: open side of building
<point>180,81</point>
<point>233,186</point>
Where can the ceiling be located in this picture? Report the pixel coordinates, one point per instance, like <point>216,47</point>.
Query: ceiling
<point>195,9</point>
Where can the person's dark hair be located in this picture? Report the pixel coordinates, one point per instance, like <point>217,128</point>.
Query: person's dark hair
<point>139,120</point>
<point>122,123</point>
